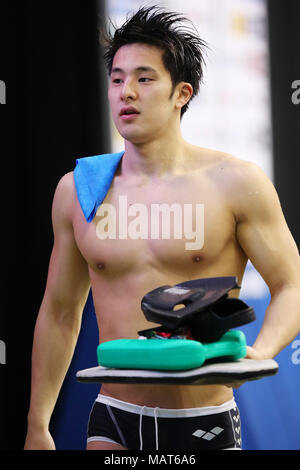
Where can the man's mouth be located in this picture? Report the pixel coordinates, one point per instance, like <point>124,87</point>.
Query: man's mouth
<point>128,112</point>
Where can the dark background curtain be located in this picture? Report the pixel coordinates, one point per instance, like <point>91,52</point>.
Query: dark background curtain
<point>284,40</point>
<point>56,111</point>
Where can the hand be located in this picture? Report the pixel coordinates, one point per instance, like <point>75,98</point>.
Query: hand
<point>39,440</point>
<point>251,353</point>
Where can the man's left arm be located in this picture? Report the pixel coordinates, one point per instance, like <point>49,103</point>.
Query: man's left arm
<point>264,236</point>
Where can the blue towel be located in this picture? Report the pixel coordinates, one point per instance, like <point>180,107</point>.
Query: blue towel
<point>93,177</point>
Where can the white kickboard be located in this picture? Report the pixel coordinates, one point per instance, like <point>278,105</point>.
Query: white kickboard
<point>214,373</point>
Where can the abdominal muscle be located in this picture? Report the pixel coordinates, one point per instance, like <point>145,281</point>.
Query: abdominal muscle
<point>121,317</point>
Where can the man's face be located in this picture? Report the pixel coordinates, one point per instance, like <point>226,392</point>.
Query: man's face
<point>140,93</point>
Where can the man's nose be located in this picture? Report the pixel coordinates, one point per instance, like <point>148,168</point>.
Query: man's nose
<point>128,90</point>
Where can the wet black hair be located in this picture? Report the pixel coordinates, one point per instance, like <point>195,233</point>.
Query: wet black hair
<point>183,49</point>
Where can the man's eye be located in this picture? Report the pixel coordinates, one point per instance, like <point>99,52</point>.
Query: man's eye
<point>145,79</point>
<point>116,80</point>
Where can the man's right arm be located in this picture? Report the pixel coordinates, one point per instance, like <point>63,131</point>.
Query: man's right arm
<point>59,318</point>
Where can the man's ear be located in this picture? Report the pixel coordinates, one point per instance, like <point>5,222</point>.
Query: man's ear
<point>184,93</point>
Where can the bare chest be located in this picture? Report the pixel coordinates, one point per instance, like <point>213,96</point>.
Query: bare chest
<point>168,225</point>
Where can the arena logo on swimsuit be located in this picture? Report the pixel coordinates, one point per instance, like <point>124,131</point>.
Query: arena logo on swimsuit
<point>133,222</point>
<point>2,92</point>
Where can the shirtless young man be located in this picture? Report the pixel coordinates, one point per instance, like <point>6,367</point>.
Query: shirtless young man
<point>243,220</point>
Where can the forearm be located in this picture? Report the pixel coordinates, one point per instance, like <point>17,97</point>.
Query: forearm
<point>281,323</point>
<point>54,342</point>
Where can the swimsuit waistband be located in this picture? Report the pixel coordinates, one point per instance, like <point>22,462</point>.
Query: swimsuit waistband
<point>164,412</point>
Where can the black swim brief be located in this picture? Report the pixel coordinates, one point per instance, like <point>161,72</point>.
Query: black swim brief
<point>143,428</point>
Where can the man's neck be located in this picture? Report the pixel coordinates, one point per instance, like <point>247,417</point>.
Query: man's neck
<point>155,158</point>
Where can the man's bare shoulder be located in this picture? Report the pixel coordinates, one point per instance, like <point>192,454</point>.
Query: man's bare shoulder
<point>233,172</point>
<point>242,183</point>
<point>64,198</point>
<point>243,178</point>
<point>245,185</point>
